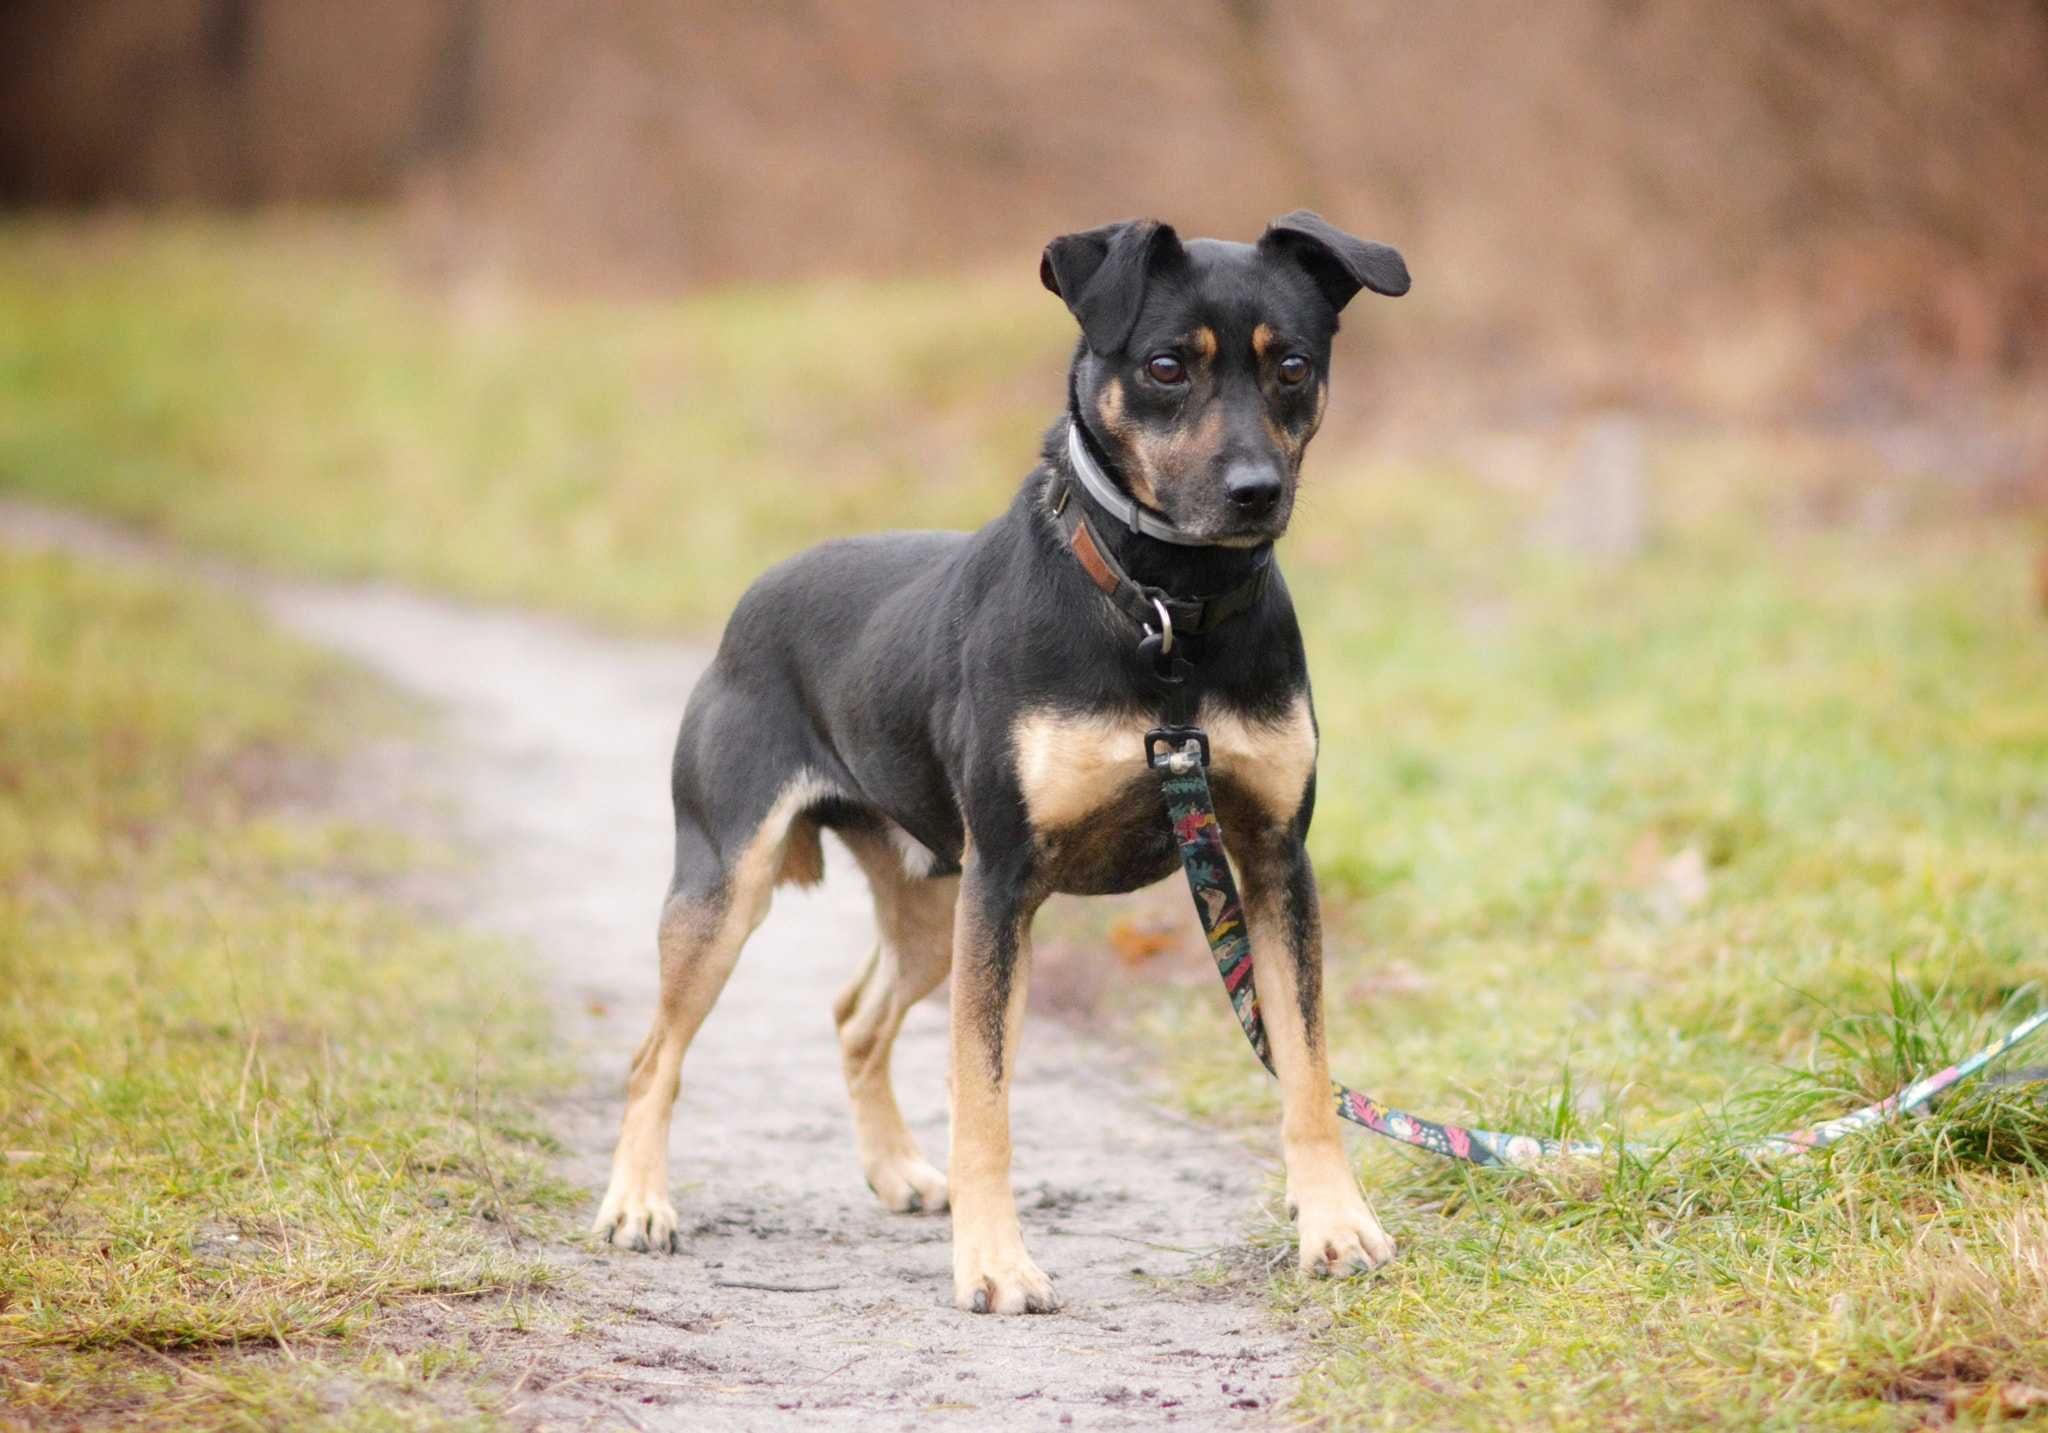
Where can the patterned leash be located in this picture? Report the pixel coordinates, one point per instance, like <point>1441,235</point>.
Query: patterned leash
<point>1180,753</point>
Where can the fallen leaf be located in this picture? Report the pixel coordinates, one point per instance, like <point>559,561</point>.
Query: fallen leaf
<point>1137,941</point>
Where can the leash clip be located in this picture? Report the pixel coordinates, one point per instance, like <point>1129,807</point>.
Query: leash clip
<point>1178,749</point>
<point>1156,647</point>
<point>1165,630</point>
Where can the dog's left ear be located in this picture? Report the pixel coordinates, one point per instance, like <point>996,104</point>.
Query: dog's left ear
<point>1340,263</point>
<point>1102,273</point>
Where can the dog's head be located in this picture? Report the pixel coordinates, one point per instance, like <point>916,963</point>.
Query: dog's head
<point>1203,366</point>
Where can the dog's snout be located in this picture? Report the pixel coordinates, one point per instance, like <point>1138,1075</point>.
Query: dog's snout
<point>1252,488</point>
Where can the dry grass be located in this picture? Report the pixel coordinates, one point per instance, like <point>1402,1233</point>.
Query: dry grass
<point>221,1166</point>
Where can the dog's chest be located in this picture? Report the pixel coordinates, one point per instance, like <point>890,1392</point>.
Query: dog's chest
<point>1095,806</point>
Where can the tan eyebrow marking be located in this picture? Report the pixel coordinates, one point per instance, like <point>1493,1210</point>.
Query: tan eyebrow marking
<point>1263,338</point>
<point>1110,404</point>
<point>1203,341</point>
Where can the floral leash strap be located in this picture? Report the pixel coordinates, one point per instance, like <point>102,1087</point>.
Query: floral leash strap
<point>1179,755</point>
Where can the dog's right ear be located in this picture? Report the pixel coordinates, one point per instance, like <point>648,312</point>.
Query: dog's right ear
<point>1101,274</point>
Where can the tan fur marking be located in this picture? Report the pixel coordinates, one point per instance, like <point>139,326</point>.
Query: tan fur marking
<point>1109,406</point>
<point>1273,760</point>
<point>1203,341</point>
<point>751,882</point>
<point>1338,1230</point>
<point>803,858</point>
<point>992,1273</point>
<point>913,950</point>
<point>1295,444</point>
<point>1068,765</point>
<point>700,943</point>
<point>1262,339</point>
<point>1164,458</point>
<point>1290,444</point>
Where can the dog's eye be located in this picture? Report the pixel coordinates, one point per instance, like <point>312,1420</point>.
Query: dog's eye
<point>1165,368</point>
<point>1293,369</point>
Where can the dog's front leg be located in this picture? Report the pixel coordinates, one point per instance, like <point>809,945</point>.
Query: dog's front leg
<point>991,966</point>
<point>1339,1233</point>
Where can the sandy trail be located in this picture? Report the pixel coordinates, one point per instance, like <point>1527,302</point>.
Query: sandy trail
<point>553,756</point>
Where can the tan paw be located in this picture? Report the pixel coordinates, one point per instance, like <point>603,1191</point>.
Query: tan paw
<point>907,1184</point>
<point>1341,1237</point>
<point>1007,1283</point>
<point>643,1220</point>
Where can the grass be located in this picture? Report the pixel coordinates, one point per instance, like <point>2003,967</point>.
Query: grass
<point>1894,1281</point>
<point>221,1173</point>
<point>299,403</point>
<point>1732,833</point>
<point>1735,835</point>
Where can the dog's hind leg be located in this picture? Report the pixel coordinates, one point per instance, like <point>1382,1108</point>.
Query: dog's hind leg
<point>710,912</point>
<point>913,949</point>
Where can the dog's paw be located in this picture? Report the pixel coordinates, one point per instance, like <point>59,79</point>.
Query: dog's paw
<point>641,1221</point>
<point>1342,1237</point>
<point>907,1184</point>
<point>1002,1284</point>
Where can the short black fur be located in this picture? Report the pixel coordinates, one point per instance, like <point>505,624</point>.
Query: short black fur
<point>881,680</point>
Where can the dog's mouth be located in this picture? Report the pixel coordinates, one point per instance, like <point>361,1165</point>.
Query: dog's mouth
<point>1234,530</point>
<point>1257,536</point>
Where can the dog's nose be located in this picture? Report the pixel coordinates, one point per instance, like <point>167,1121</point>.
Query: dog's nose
<point>1253,488</point>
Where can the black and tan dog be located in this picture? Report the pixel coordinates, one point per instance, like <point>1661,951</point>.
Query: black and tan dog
<point>968,712</point>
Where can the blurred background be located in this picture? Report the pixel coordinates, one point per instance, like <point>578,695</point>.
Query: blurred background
<point>1823,209</point>
<point>1822,214</point>
<point>1780,205</point>
<point>1673,563</point>
<point>604,308</point>
<point>1725,355</point>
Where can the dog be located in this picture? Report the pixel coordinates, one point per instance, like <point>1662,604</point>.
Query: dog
<point>968,713</point>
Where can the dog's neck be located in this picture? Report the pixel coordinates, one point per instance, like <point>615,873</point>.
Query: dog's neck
<point>1179,570</point>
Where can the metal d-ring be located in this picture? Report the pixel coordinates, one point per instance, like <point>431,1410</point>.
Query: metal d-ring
<point>1165,627</point>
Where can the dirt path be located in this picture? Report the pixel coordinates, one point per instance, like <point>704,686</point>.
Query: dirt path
<point>554,761</point>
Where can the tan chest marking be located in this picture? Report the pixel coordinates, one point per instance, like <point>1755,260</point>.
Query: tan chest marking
<point>1069,766</point>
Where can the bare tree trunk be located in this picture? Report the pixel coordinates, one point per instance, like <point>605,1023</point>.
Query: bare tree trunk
<point>227,44</point>
<point>1252,61</point>
<point>448,118</point>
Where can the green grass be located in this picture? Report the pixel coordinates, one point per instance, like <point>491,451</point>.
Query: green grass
<point>289,397</point>
<point>1700,846</point>
<point>221,1170</point>
<point>1731,834</point>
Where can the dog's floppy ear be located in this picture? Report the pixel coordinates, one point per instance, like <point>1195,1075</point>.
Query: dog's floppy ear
<point>1339,263</point>
<point>1101,273</point>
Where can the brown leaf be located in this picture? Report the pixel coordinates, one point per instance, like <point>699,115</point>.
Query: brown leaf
<point>1137,941</point>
